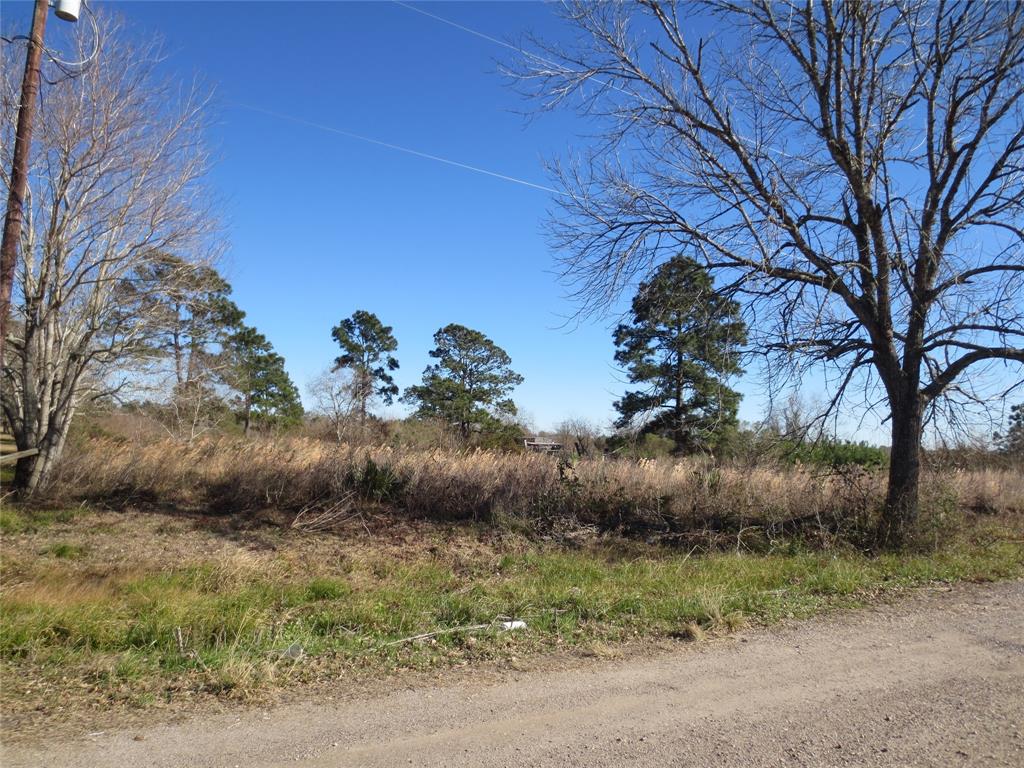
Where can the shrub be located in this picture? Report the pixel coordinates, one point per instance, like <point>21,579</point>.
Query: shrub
<point>835,454</point>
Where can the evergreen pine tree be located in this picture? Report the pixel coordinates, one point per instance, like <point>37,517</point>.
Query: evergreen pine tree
<point>682,342</point>
<point>367,345</point>
<point>470,383</point>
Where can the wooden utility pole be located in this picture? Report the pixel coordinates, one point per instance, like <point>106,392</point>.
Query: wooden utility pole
<point>19,171</point>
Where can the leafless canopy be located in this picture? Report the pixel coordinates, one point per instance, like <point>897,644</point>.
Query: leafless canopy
<point>852,169</point>
<point>115,186</point>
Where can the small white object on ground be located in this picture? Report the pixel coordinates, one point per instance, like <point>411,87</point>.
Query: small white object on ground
<point>508,626</point>
<point>293,651</point>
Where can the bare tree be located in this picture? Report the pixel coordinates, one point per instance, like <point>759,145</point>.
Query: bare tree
<point>579,435</point>
<point>338,397</point>
<point>851,170</point>
<point>118,159</point>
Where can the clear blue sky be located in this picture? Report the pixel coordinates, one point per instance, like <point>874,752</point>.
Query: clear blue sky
<point>320,224</point>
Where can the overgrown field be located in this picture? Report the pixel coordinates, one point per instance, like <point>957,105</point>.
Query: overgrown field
<point>157,573</point>
<point>687,502</point>
<point>143,609</point>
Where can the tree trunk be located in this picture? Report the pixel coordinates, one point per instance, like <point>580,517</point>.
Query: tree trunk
<point>31,472</point>
<point>901,503</point>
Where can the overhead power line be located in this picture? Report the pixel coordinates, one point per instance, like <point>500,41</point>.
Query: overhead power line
<point>397,147</point>
<point>451,23</point>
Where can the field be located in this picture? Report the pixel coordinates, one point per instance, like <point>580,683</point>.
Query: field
<point>235,574</point>
<point>312,484</point>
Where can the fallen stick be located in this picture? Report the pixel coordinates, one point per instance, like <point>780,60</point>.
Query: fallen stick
<point>427,635</point>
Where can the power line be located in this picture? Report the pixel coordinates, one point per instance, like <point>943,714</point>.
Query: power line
<point>397,147</point>
<point>451,23</point>
<point>506,44</point>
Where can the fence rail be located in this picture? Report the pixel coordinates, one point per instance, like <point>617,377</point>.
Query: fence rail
<point>10,458</point>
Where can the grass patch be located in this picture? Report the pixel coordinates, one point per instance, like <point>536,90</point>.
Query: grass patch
<point>17,519</point>
<point>65,551</point>
<point>150,626</point>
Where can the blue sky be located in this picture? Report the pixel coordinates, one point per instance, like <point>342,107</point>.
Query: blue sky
<point>320,224</point>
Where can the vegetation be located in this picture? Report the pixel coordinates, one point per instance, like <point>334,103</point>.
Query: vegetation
<point>196,318</point>
<point>196,313</point>
<point>264,394</point>
<point>118,166</point>
<point>1011,442</point>
<point>685,501</point>
<point>138,609</point>
<point>778,174</point>
<point>194,555</point>
<point>367,345</point>
<point>683,340</point>
<point>470,383</point>
<point>834,454</point>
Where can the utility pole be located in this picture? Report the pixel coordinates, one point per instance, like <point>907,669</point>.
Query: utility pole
<point>22,145</point>
<point>19,171</point>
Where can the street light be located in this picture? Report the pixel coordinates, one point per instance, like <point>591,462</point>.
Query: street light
<point>68,11</point>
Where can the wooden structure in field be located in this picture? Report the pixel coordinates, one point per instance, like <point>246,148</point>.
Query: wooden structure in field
<point>540,445</point>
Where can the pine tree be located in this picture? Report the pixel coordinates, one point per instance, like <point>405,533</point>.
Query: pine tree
<point>195,313</point>
<point>1012,441</point>
<point>682,342</point>
<point>265,395</point>
<point>192,316</point>
<point>367,345</point>
<point>470,383</point>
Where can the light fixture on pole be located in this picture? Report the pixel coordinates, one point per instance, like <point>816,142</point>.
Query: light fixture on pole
<point>67,9</point>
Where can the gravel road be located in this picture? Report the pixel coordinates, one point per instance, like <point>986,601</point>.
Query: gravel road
<point>936,679</point>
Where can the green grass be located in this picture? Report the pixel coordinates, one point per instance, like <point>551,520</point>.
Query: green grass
<point>141,632</point>
<point>65,550</point>
<point>21,520</point>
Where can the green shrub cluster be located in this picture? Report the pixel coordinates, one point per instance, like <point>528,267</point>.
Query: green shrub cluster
<point>835,454</point>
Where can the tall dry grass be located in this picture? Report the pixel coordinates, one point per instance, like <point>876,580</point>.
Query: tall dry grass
<point>656,498</point>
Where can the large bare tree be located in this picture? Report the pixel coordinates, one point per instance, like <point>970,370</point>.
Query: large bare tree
<point>851,170</point>
<point>117,161</point>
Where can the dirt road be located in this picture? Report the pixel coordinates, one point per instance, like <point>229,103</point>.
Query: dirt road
<point>935,680</point>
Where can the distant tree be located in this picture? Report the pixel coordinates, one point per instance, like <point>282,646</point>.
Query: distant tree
<point>367,345</point>
<point>1012,441</point>
<point>334,398</point>
<point>795,422</point>
<point>579,436</point>
<point>470,383</point>
<point>196,312</point>
<point>264,395</point>
<point>682,342</point>
<point>196,317</point>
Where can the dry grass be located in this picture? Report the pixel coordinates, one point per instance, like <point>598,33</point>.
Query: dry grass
<point>687,500</point>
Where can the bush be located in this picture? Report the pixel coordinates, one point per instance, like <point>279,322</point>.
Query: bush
<point>835,454</point>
